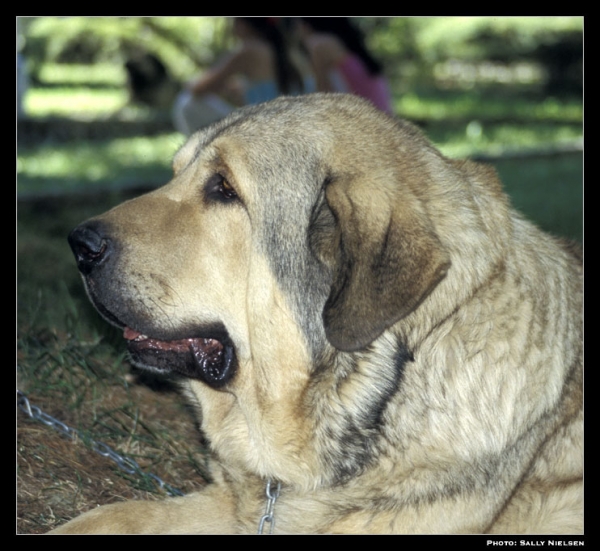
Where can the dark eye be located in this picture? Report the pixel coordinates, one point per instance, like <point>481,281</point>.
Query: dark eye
<point>217,187</point>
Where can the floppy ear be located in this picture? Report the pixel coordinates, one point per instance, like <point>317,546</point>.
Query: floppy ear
<point>387,260</point>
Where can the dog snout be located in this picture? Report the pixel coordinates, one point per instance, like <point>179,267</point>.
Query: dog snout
<point>90,245</point>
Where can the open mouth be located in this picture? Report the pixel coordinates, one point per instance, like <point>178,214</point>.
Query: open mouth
<point>207,354</point>
<point>209,359</point>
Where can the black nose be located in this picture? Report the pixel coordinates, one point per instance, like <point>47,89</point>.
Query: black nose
<point>90,246</point>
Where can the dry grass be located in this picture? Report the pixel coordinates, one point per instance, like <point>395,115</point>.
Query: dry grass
<point>59,478</point>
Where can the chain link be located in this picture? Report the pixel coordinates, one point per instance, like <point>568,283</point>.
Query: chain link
<point>126,464</point>
<point>269,517</point>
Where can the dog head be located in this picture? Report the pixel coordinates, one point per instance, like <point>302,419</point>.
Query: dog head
<point>324,189</point>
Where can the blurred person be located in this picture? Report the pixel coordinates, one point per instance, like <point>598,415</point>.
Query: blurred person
<point>263,62</point>
<point>341,61</point>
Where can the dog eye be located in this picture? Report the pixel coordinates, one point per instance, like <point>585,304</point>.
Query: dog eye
<point>217,187</point>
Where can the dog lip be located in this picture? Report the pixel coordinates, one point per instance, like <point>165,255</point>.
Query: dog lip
<point>206,358</point>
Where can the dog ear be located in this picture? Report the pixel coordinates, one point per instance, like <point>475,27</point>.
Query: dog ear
<point>386,260</point>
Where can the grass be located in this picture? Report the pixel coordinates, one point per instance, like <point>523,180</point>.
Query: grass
<point>548,191</point>
<point>72,364</point>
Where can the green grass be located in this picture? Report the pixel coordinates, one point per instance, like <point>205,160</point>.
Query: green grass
<point>549,191</point>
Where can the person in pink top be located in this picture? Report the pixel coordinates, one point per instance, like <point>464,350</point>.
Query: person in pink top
<point>341,61</point>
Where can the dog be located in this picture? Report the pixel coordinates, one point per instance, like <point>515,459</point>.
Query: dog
<point>375,341</point>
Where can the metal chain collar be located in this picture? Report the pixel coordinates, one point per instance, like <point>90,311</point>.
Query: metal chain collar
<point>124,463</point>
<point>269,517</point>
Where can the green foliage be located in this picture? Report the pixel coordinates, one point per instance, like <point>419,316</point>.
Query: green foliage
<point>186,42</point>
<point>99,75</point>
<point>488,37</point>
<point>183,43</point>
<point>392,37</point>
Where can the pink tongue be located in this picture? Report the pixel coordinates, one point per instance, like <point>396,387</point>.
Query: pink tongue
<point>130,334</point>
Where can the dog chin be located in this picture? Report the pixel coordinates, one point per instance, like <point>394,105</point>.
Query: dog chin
<point>208,359</point>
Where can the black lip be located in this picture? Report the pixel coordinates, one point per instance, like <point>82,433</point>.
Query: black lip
<point>106,314</point>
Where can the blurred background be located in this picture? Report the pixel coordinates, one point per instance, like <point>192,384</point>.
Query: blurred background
<point>504,90</point>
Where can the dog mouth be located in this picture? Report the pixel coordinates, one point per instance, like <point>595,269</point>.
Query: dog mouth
<point>209,359</point>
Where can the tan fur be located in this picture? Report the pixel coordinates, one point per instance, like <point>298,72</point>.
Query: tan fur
<point>408,349</point>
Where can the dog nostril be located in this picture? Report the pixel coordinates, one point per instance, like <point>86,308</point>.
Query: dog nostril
<point>89,246</point>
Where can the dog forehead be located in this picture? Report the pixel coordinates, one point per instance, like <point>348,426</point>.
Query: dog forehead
<point>340,130</point>
<point>257,140</point>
